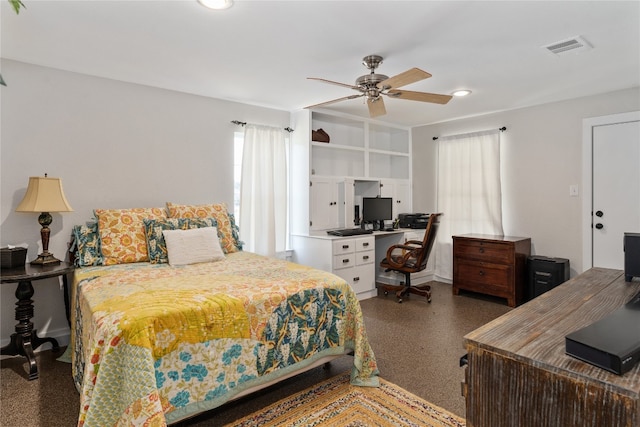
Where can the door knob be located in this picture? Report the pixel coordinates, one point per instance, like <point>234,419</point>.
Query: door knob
<point>599,214</point>
<point>599,226</point>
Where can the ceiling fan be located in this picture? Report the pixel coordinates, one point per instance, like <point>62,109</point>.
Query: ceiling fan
<point>372,86</point>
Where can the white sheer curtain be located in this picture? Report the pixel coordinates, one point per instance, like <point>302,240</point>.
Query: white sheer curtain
<point>263,190</point>
<point>469,191</point>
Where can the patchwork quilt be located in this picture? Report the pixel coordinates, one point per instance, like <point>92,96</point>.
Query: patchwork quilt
<point>153,344</point>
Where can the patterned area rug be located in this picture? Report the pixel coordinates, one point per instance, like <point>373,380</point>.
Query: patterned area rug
<point>336,403</point>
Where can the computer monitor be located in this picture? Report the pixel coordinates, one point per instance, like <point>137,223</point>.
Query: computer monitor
<point>376,210</point>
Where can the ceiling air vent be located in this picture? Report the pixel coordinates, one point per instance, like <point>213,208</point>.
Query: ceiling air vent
<point>574,44</point>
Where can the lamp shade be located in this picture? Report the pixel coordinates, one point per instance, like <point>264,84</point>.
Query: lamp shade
<point>44,195</point>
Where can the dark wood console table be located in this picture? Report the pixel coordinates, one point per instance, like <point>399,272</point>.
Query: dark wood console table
<point>519,375</point>
<point>25,340</point>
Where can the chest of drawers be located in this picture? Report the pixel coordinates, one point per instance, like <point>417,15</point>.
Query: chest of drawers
<point>492,265</point>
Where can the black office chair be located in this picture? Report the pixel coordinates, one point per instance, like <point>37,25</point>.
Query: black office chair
<point>411,257</point>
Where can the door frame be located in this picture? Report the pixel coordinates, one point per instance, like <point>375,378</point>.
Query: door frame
<point>587,176</point>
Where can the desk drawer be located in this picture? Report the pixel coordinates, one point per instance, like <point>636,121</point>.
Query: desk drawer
<point>483,276</point>
<point>365,244</point>
<point>485,251</point>
<point>361,279</point>
<point>344,246</point>
<point>344,261</point>
<point>366,257</point>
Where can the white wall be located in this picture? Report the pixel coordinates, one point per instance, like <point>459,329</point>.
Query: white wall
<point>115,145</point>
<point>541,156</point>
<point>118,145</point>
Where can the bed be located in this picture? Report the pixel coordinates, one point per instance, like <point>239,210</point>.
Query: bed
<point>155,342</point>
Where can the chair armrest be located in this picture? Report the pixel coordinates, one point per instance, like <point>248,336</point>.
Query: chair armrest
<point>400,261</point>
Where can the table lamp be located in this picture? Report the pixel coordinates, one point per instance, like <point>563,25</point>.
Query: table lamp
<point>44,195</point>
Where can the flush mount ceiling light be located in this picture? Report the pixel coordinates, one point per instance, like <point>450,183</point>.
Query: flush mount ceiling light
<point>462,92</point>
<point>216,4</point>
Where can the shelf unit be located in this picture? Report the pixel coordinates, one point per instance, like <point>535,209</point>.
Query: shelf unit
<point>389,152</point>
<point>361,152</point>
<point>363,158</point>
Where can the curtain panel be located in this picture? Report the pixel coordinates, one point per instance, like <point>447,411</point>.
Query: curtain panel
<point>263,190</point>
<point>469,192</point>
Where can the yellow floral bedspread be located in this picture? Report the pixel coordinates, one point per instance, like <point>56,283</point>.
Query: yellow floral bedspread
<point>153,344</point>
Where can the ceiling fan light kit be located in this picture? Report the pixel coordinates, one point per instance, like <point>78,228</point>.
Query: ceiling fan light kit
<point>372,86</point>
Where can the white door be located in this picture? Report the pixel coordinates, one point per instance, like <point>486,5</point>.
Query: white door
<point>616,190</point>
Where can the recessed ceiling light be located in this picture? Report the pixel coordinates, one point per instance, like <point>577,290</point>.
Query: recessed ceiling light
<point>216,4</point>
<point>463,92</point>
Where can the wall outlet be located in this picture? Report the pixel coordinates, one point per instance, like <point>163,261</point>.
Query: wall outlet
<point>573,190</point>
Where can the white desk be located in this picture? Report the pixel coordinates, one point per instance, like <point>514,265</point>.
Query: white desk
<point>354,258</point>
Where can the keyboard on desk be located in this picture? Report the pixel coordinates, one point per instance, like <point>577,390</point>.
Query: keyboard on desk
<point>349,232</point>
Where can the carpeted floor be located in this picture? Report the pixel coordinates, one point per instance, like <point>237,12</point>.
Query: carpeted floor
<point>417,346</point>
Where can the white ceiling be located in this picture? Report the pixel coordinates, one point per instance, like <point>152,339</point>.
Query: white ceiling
<point>260,52</point>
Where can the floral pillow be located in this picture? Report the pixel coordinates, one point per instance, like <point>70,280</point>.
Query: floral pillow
<point>228,240</point>
<point>122,236</point>
<point>235,231</point>
<point>156,244</point>
<point>87,244</point>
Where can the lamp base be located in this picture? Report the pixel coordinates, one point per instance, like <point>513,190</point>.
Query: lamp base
<point>45,258</point>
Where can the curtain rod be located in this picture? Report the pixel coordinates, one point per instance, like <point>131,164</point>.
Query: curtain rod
<point>502,129</point>
<point>238,122</point>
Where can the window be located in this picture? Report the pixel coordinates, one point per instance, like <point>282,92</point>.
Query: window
<point>261,181</point>
<point>469,191</point>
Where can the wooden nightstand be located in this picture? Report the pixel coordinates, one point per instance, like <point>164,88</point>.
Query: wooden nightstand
<point>25,340</point>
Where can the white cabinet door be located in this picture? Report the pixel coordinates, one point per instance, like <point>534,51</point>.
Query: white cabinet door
<point>402,198</point>
<point>323,200</point>
<point>400,192</point>
<point>331,203</point>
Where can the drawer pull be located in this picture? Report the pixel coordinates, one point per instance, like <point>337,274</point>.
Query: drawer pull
<point>481,250</point>
<point>346,260</point>
<point>481,272</point>
<point>365,244</point>
<point>345,246</point>
<point>356,279</point>
<point>365,257</point>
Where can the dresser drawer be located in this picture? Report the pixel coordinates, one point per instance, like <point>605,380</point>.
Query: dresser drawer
<point>344,246</point>
<point>344,261</point>
<point>485,251</point>
<point>485,276</point>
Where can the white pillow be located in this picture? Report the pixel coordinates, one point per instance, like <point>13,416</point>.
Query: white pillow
<point>193,245</point>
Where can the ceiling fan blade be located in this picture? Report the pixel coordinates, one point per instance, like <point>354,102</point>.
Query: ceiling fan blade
<point>344,98</point>
<point>334,83</point>
<point>376,107</point>
<point>420,96</point>
<point>410,76</point>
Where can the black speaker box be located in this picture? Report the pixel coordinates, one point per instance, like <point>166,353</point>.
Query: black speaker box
<point>631,256</point>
